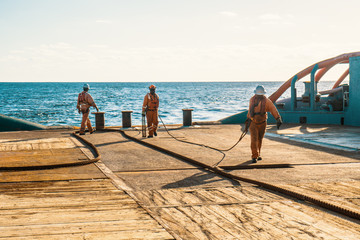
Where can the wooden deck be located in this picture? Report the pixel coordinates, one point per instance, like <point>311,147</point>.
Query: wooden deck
<point>135,192</point>
<point>81,209</point>
<point>243,213</point>
<point>65,203</point>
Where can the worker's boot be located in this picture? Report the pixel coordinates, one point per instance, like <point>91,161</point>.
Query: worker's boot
<point>259,158</point>
<point>254,160</point>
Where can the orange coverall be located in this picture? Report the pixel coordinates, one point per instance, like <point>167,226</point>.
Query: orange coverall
<point>85,101</point>
<point>150,106</point>
<point>258,108</point>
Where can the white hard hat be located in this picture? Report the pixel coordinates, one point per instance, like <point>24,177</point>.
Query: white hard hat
<point>86,86</point>
<point>260,90</point>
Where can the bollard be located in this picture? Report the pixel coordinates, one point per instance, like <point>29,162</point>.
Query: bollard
<point>126,119</point>
<point>99,120</point>
<point>187,118</point>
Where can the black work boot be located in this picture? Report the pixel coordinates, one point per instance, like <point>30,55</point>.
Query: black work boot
<point>259,158</point>
<point>254,160</point>
<point>155,133</point>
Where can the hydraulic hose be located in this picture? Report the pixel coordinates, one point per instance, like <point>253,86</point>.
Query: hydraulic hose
<point>242,135</point>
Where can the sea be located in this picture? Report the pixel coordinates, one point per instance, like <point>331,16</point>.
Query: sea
<point>54,103</point>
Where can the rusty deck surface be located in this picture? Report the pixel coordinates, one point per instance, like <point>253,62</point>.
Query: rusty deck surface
<point>139,193</point>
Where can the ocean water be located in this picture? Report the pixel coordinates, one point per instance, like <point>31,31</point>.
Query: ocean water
<point>54,103</point>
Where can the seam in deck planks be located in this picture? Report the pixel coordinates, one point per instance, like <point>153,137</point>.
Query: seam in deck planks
<point>120,184</point>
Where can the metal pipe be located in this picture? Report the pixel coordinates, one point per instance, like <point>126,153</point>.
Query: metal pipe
<point>293,93</point>
<point>306,71</point>
<point>313,89</point>
<point>341,78</point>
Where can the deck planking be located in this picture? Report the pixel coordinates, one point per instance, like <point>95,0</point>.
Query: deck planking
<point>243,213</point>
<point>191,203</point>
<point>73,210</point>
<point>65,203</point>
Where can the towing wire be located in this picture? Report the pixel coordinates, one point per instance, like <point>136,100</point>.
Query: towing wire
<point>242,135</point>
<point>327,205</point>
<point>60,165</point>
<point>324,204</point>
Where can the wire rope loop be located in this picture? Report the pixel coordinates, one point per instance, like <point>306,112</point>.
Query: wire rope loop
<point>206,146</point>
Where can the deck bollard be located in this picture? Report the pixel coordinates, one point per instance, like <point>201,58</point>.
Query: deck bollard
<point>126,119</point>
<point>187,117</point>
<point>99,120</point>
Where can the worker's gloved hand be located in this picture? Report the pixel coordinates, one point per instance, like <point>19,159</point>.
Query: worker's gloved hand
<point>97,109</point>
<point>143,113</point>
<point>278,122</point>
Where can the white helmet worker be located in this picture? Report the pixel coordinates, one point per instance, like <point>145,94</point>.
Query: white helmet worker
<point>260,90</point>
<point>86,86</point>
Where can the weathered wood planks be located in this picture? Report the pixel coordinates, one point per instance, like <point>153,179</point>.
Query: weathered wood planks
<point>65,203</point>
<point>92,209</point>
<point>243,213</point>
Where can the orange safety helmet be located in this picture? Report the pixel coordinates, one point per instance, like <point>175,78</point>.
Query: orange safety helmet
<point>152,87</point>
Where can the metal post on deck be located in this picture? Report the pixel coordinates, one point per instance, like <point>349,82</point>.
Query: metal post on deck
<point>99,120</point>
<point>126,119</point>
<point>313,89</point>
<point>187,117</point>
<point>293,93</point>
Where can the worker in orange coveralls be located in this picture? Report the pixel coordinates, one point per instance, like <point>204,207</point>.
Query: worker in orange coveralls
<point>150,108</point>
<point>85,101</point>
<point>257,115</point>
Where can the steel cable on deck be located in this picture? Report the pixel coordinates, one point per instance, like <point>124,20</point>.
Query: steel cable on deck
<point>338,209</point>
<point>60,165</point>
<point>242,135</point>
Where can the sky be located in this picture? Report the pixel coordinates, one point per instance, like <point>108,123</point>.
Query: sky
<point>172,40</point>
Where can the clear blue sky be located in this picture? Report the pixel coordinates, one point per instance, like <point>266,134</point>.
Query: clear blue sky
<point>168,40</point>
